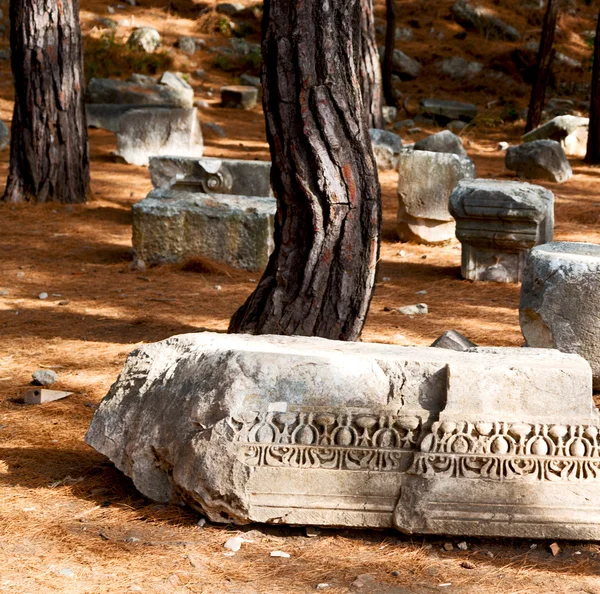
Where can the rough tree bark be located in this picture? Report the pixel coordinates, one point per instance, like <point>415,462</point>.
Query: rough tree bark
<point>49,158</point>
<point>593,147</point>
<point>370,67</point>
<point>321,275</point>
<point>544,66</point>
<point>388,55</point>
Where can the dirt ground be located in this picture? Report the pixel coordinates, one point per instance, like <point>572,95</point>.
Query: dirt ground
<point>69,522</point>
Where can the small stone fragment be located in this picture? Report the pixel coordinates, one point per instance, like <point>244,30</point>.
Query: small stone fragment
<point>467,564</point>
<point>44,377</point>
<point>215,129</point>
<point>187,45</point>
<point>43,296</point>
<point>234,543</point>
<point>412,310</point>
<point>463,546</point>
<point>389,113</point>
<point>503,146</point>
<point>145,38</point>
<point>41,396</point>
<point>554,549</point>
<point>311,531</point>
<point>239,96</point>
<point>455,341</point>
<point>280,554</point>
<point>448,546</point>
<point>322,586</point>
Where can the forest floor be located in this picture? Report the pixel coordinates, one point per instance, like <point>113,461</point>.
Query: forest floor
<point>69,522</point>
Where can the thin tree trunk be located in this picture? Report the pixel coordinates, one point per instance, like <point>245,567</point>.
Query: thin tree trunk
<point>593,147</point>
<point>321,275</point>
<point>388,56</point>
<point>544,66</point>
<point>370,67</point>
<point>49,158</point>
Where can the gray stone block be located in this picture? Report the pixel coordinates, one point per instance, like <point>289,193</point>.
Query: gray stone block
<point>443,111</point>
<point>425,182</point>
<point>539,159</point>
<point>498,222</point>
<point>239,96</point>
<point>209,175</point>
<point>386,148</point>
<point>442,142</point>
<point>173,226</point>
<point>307,431</point>
<point>107,116</point>
<point>150,132</point>
<point>482,20</point>
<point>453,340</point>
<point>560,300</point>
<point>570,131</point>
<point>121,92</point>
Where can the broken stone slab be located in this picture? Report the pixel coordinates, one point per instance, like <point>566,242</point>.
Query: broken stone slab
<point>539,159</point>
<point>210,175</point>
<point>404,66</point>
<point>443,111</point>
<point>570,131</point>
<point>42,395</point>
<point>425,182</point>
<point>121,92</point>
<point>483,21</point>
<point>239,96</point>
<point>453,340</point>
<point>306,431</point>
<point>145,133</point>
<point>386,148</point>
<point>560,297</point>
<point>174,226</point>
<point>174,81</point>
<point>442,142</point>
<point>497,223</point>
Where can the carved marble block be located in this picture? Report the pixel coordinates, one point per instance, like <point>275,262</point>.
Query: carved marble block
<point>494,442</point>
<point>498,222</point>
<point>425,181</point>
<point>560,300</point>
<point>212,176</point>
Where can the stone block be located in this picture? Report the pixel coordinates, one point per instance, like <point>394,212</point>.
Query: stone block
<point>443,111</point>
<point>425,182</point>
<point>484,21</point>
<point>386,148</point>
<point>239,96</point>
<point>121,92</point>
<point>451,339</point>
<point>498,222</point>
<point>306,431</point>
<point>43,395</point>
<point>442,142</point>
<point>209,175</point>
<point>570,131</point>
<point>560,300</point>
<point>539,159</point>
<point>173,226</point>
<point>107,116</point>
<point>145,133</point>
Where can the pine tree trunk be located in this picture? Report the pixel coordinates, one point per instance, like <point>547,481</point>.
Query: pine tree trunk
<point>370,67</point>
<point>49,158</point>
<point>321,275</point>
<point>544,66</point>
<point>593,147</point>
<point>388,56</point>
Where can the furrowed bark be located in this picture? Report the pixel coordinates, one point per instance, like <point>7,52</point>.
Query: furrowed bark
<point>321,275</point>
<point>49,157</point>
<point>388,55</point>
<point>370,67</point>
<point>593,147</point>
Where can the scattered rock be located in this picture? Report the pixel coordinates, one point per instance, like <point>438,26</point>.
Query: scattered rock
<point>200,74</point>
<point>281,554</point>
<point>386,148</point>
<point>467,564</point>
<point>414,310</point>
<point>201,103</point>
<point>457,126</point>
<point>44,377</point>
<point>250,81</point>
<point>234,544</point>
<point>4,136</point>
<point>443,111</point>
<point>463,546</point>
<point>404,34</point>
<point>4,54</point>
<point>448,546</point>
<point>539,159</point>
<point>43,295</point>
<point>503,146</point>
<point>389,113</point>
<point>215,129</point>
<point>442,142</point>
<point>404,124</point>
<point>311,531</point>
<point>170,79</point>
<point>554,549</point>
<point>229,8</point>
<point>187,45</point>
<point>106,23</point>
<point>570,131</point>
<point>239,96</point>
<point>483,21</point>
<point>458,68</point>
<point>322,586</point>
<point>455,341</point>
<point>145,38</point>
<point>405,67</point>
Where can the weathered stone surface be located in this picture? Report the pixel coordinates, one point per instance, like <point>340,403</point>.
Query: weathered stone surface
<point>386,147</point>
<point>145,38</point>
<point>475,18</point>
<point>248,80</point>
<point>425,182</point>
<point>172,80</point>
<point>107,90</point>
<point>442,142</point>
<point>173,226</point>
<point>453,340</point>
<point>498,222</point>
<point>403,66</point>
<point>187,45</point>
<point>150,132</point>
<point>239,96</point>
<point>443,111</point>
<point>539,159</point>
<point>570,131</point>
<point>4,136</point>
<point>389,113</point>
<point>44,377</point>
<point>107,116</point>
<point>458,68</point>
<point>209,175</point>
<point>560,300</point>
<point>313,432</point>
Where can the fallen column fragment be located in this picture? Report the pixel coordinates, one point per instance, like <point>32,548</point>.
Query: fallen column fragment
<point>490,441</point>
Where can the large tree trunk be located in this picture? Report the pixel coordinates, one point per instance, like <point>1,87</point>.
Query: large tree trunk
<point>544,66</point>
<point>388,55</point>
<point>370,67</point>
<point>49,158</point>
<point>321,275</point>
<point>593,147</point>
